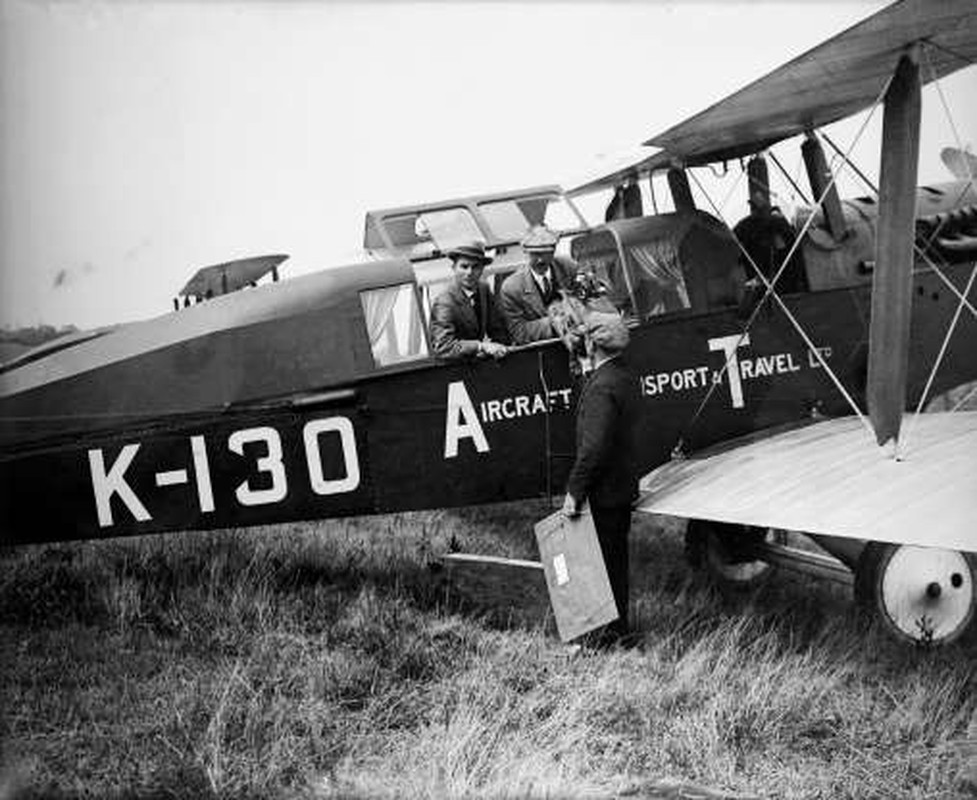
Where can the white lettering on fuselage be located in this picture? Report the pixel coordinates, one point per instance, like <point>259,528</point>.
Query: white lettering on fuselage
<point>201,470</point>
<point>462,421</point>
<point>455,427</point>
<point>524,405</point>
<point>779,364</point>
<point>676,381</point>
<point>313,457</point>
<point>105,484</point>
<point>816,356</point>
<point>269,485</point>
<point>729,345</point>
<point>737,370</point>
<point>270,463</point>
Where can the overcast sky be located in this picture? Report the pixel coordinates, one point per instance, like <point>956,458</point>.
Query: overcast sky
<point>139,142</point>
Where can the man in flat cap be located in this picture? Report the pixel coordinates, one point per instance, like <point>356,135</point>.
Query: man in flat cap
<point>465,322</point>
<point>527,293</point>
<point>604,474</point>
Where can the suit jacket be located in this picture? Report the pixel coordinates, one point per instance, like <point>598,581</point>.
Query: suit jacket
<point>455,330</point>
<point>605,469</point>
<point>523,306</point>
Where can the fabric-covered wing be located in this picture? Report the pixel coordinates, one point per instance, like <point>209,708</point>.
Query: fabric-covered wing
<point>834,80</point>
<point>829,478</point>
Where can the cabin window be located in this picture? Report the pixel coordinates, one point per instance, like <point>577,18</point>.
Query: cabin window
<point>659,282</point>
<point>393,323</point>
<point>423,235</point>
<point>597,253</point>
<point>511,219</point>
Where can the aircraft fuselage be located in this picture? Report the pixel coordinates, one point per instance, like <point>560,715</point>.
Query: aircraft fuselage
<point>433,434</point>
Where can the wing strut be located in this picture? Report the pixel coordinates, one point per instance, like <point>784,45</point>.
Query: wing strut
<point>770,283</point>
<point>888,360</point>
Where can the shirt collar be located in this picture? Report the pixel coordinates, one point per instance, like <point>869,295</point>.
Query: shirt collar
<point>539,278</point>
<point>598,363</point>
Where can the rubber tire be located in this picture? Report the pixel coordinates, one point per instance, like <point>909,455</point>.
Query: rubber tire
<point>869,573</point>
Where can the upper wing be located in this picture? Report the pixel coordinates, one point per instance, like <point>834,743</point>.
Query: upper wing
<point>822,478</point>
<point>834,80</point>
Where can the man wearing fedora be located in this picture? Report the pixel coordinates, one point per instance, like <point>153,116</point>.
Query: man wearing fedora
<point>527,293</point>
<point>465,322</point>
<point>604,474</point>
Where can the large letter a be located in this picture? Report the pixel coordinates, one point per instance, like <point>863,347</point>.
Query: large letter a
<point>462,421</point>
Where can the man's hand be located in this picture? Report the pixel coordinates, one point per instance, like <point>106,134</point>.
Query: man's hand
<point>494,349</point>
<point>570,507</point>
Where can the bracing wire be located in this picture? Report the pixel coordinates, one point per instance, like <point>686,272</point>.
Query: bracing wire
<point>939,360</point>
<point>770,292</point>
<point>769,284</point>
<point>946,106</point>
<point>962,296</point>
<point>919,251</point>
<point>787,176</point>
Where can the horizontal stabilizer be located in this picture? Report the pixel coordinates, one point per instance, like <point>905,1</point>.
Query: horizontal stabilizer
<point>829,478</point>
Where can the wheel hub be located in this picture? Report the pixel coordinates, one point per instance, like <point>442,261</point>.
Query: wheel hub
<point>928,593</point>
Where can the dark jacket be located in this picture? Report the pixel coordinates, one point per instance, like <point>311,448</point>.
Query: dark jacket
<point>768,237</point>
<point>523,306</point>
<point>605,470</point>
<point>455,330</point>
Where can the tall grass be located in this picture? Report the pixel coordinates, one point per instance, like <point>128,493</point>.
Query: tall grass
<point>330,660</point>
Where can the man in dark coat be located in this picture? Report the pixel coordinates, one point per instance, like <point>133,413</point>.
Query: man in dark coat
<point>604,473</point>
<point>526,294</point>
<point>767,236</point>
<point>465,322</point>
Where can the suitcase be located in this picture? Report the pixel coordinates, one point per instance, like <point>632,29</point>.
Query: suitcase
<point>576,578</point>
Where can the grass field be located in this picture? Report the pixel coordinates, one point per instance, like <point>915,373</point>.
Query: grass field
<point>327,660</point>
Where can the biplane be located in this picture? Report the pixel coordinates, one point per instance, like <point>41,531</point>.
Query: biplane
<point>319,396</point>
<point>888,494</point>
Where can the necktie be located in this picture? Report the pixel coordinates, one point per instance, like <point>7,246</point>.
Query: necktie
<point>477,308</point>
<point>546,289</point>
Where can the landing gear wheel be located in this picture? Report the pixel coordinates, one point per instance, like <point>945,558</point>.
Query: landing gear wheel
<point>923,595</point>
<point>725,551</point>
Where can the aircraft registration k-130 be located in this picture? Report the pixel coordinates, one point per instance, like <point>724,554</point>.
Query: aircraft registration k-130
<point>319,396</point>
